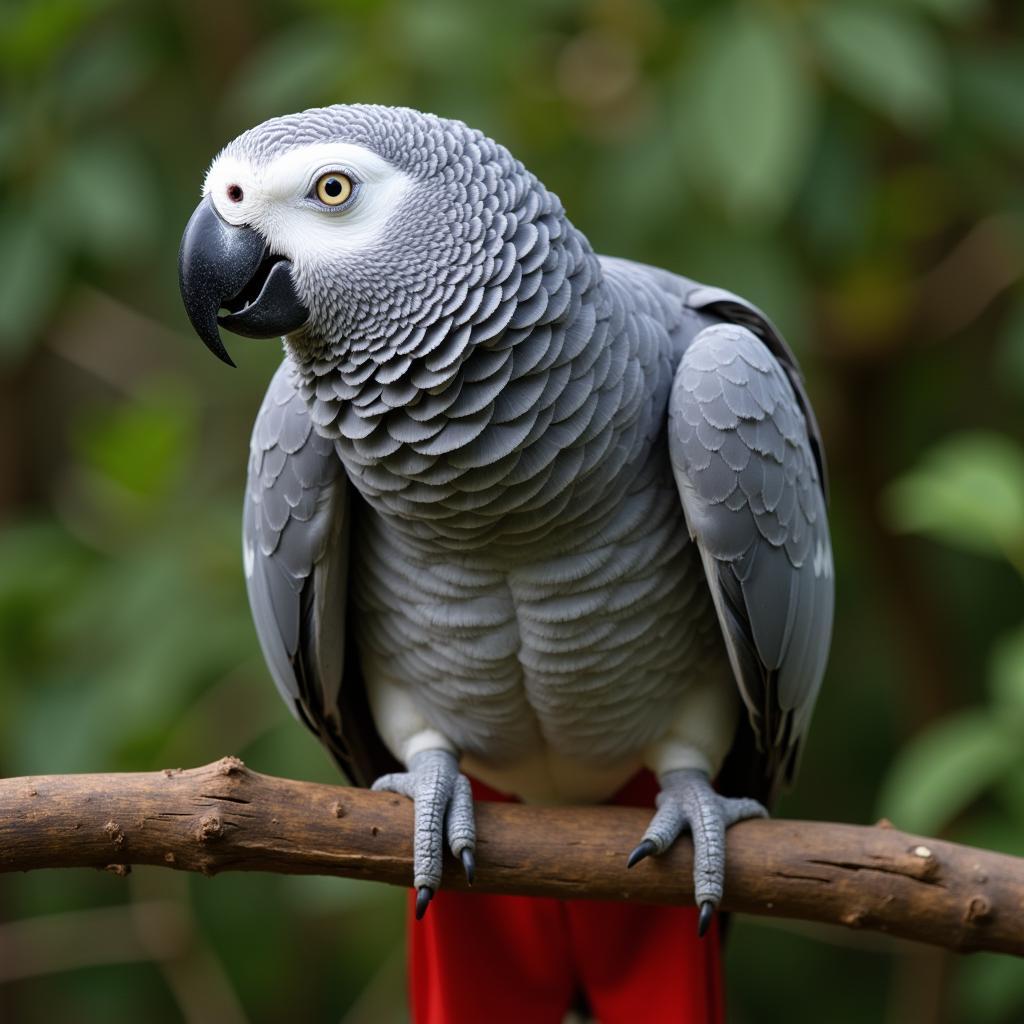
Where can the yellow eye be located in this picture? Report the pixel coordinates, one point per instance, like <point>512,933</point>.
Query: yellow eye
<point>333,188</point>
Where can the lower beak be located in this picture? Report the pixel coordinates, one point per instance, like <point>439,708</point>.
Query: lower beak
<point>221,265</point>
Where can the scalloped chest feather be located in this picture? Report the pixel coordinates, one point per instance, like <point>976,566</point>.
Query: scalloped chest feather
<point>529,545</point>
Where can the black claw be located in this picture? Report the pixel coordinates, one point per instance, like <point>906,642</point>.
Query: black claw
<point>707,911</point>
<point>645,849</point>
<point>423,898</point>
<point>468,864</point>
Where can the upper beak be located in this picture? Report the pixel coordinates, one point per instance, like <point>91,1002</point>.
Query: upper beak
<point>223,265</point>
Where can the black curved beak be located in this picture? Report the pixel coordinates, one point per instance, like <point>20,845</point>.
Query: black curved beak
<point>224,266</point>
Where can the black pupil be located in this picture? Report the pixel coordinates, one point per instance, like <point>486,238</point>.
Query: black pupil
<point>332,187</point>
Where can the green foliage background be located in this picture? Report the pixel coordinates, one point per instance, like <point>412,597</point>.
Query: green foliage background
<point>855,167</point>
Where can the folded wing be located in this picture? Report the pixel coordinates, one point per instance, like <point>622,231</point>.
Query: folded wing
<point>746,458</point>
<point>296,527</point>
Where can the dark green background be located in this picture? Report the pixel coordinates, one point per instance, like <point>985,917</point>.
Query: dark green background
<point>856,168</point>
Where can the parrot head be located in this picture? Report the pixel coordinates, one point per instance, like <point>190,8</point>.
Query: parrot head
<point>345,228</point>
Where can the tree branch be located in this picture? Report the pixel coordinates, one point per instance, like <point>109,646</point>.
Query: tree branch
<point>224,817</point>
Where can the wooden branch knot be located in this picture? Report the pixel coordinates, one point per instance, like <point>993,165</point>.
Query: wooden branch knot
<point>925,865</point>
<point>116,834</point>
<point>210,827</point>
<point>231,765</point>
<point>979,910</point>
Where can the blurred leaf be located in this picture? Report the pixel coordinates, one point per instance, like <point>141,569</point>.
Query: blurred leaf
<point>944,768</point>
<point>434,35</point>
<point>912,203</point>
<point>319,895</point>
<point>888,58</point>
<point>108,202</point>
<point>109,71</point>
<point>834,204</point>
<point>42,567</point>
<point>1010,356</point>
<point>951,10</point>
<point>647,177</point>
<point>295,69</point>
<point>39,559</point>
<point>749,112</point>
<point>32,32</point>
<point>142,445</point>
<point>969,491</point>
<point>32,276</point>
<point>1007,673</point>
<point>11,130</point>
<point>989,989</point>
<point>1010,791</point>
<point>989,88</point>
<point>870,300</point>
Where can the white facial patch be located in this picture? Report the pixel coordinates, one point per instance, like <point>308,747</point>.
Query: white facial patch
<point>226,174</point>
<point>275,199</point>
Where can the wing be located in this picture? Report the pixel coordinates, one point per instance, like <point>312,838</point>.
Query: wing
<point>296,526</point>
<point>746,455</point>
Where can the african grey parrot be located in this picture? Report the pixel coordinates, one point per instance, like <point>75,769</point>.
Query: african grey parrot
<point>512,507</point>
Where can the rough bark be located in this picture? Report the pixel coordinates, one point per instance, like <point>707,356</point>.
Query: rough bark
<point>224,817</point>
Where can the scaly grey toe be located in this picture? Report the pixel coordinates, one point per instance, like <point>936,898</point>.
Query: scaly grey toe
<point>687,800</point>
<point>443,806</point>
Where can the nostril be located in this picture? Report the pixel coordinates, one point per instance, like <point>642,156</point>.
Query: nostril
<point>235,193</point>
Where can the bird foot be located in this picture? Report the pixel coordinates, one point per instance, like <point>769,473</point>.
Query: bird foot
<point>443,808</point>
<point>687,800</point>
